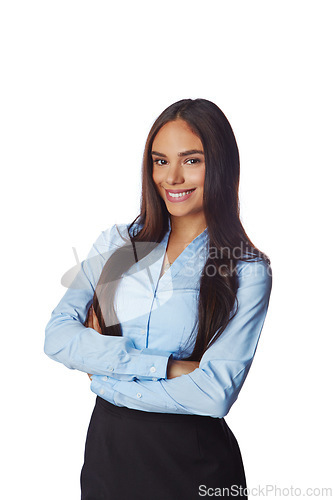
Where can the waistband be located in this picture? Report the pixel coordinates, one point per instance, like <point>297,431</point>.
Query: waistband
<point>124,411</point>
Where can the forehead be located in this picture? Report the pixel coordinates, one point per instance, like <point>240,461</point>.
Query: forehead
<point>176,136</point>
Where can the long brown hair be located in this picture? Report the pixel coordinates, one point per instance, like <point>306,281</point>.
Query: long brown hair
<point>222,212</point>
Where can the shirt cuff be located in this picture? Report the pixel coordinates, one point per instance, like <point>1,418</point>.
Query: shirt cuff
<point>154,364</point>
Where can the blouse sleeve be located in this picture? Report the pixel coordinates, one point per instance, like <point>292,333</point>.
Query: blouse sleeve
<point>68,341</point>
<point>212,388</point>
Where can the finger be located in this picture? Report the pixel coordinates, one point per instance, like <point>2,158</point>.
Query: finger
<point>95,322</point>
<point>89,318</point>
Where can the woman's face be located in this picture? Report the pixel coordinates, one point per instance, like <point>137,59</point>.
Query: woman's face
<point>179,166</point>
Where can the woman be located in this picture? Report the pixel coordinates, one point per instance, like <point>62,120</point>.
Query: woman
<point>165,316</point>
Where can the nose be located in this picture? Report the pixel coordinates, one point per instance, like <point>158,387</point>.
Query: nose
<point>174,175</point>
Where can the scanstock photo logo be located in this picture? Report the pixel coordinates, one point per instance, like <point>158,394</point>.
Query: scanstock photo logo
<point>265,490</point>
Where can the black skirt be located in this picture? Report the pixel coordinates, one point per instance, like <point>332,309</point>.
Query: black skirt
<point>133,454</point>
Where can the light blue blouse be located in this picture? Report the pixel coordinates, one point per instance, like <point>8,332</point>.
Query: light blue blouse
<point>157,317</point>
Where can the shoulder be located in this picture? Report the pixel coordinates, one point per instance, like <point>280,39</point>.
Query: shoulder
<point>113,236</point>
<point>256,271</point>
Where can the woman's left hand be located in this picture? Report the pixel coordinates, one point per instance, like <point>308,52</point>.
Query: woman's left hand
<point>92,322</point>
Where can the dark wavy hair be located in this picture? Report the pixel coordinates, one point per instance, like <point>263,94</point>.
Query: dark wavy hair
<point>222,212</point>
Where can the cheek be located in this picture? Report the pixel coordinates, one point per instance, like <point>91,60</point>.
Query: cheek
<point>157,177</point>
<point>198,178</point>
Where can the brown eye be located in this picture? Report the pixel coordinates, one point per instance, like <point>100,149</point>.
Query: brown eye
<point>156,162</point>
<point>195,160</point>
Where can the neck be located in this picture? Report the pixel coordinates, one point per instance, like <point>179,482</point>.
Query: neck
<point>187,228</point>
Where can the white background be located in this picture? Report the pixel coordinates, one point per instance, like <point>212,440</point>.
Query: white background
<point>81,84</point>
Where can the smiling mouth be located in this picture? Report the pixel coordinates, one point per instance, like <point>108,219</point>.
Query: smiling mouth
<point>179,194</point>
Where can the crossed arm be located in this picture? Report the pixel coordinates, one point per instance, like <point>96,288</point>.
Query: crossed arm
<point>140,378</point>
<point>175,368</point>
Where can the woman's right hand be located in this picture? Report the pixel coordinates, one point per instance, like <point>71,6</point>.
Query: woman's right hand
<point>180,367</point>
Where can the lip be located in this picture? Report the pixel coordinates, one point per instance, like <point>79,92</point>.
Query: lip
<point>180,199</point>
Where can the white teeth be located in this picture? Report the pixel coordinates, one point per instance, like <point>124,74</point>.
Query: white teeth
<point>179,195</point>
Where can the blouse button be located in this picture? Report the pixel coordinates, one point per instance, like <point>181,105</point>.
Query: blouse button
<point>138,395</point>
<point>105,379</point>
<point>153,369</point>
<point>102,392</point>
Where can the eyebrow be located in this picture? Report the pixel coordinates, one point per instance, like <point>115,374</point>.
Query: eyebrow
<point>183,153</point>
